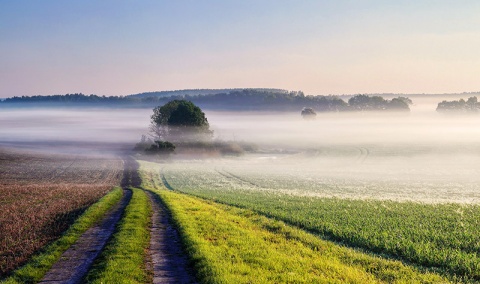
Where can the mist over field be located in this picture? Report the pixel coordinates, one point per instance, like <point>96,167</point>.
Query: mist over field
<point>78,131</point>
<point>420,156</point>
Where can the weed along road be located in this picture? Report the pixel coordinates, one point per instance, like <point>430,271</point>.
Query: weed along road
<point>92,257</point>
<point>75,262</point>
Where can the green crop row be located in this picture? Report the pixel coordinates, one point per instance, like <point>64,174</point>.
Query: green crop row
<point>233,245</point>
<point>440,237</point>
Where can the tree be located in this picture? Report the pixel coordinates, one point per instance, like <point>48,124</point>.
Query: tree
<point>308,113</point>
<point>472,104</point>
<point>399,104</point>
<point>361,102</point>
<point>406,100</point>
<point>180,121</point>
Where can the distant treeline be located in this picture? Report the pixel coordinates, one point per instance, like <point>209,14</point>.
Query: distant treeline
<point>68,98</point>
<point>470,105</point>
<point>235,99</point>
<point>201,92</point>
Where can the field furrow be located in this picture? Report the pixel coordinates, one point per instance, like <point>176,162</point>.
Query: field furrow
<point>41,195</point>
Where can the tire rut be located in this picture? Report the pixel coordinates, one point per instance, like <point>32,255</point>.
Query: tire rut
<point>167,258</point>
<point>75,262</point>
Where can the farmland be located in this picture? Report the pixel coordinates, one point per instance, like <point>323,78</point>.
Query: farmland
<point>41,194</point>
<point>368,210</point>
<point>232,245</point>
<point>355,196</point>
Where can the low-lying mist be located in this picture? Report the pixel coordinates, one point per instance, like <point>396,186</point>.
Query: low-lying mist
<point>80,130</point>
<point>421,155</point>
<point>422,128</point>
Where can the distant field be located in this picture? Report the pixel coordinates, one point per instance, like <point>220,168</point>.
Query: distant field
<point>413,205</point>
<point>402,173</point>
<point>41,195</point>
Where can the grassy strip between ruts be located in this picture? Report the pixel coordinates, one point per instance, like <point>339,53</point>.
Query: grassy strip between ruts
<point>123,259</point>
<point>232,245</point>
<point>36,268</point>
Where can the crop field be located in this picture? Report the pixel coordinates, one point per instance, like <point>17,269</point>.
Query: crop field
<point>42,194</point>
<point>300,209</point>
<point>388,173</point>
<point>408,206</point>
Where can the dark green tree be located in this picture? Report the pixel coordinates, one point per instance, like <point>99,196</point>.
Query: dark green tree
<point>180,121</point>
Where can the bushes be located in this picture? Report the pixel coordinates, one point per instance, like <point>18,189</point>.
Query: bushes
<point>161,147</point>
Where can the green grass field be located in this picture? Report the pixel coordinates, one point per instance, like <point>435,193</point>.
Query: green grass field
<point>233,245</point>
<point>438,237</point>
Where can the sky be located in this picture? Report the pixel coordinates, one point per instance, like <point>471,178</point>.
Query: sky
<point>120,47</point>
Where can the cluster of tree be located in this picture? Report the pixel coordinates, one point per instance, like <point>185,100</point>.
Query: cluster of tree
<point>377,103</point>
<point>468,106</point>
<point>235,99</point>
<point>181,123</point>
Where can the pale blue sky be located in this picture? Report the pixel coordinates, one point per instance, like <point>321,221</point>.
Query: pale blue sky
<point>320,47</point>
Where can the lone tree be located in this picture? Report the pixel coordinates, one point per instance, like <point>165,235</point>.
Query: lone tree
<point>180,121</point>
<point>308,113</point>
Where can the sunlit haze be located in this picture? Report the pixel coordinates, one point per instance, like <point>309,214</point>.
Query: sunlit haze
<point>320,47</point>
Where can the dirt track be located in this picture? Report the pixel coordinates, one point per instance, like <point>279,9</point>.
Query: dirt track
<point>167,260</point>
<point>76,261</point>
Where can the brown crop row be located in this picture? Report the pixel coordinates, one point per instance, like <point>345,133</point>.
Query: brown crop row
<point>41,195</point>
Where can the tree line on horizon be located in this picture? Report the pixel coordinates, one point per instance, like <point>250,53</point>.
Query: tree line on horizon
<point>244,99</point>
